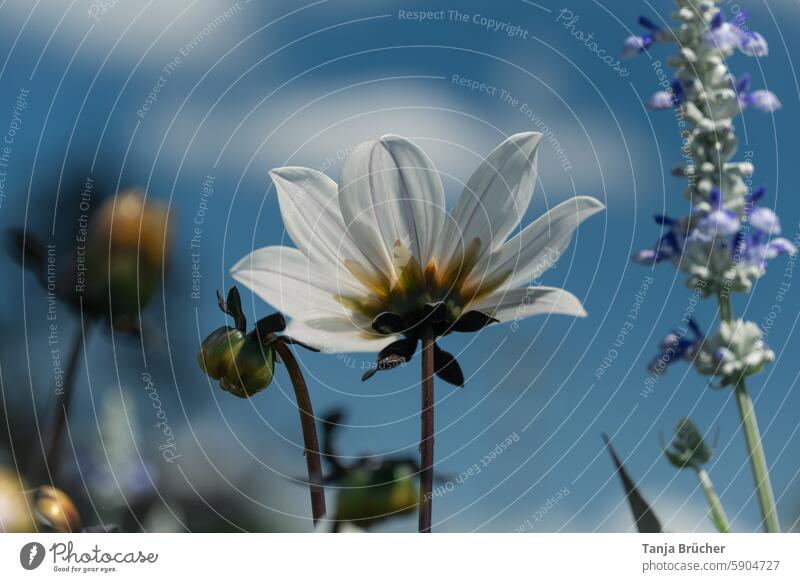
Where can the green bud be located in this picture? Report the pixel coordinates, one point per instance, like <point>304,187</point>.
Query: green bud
<point>369,495</point>
<point>687,448</point>
<point>219,350</point>
<point>242,364</point>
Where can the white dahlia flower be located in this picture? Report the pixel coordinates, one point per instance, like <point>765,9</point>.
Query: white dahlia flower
<point>380,259</point>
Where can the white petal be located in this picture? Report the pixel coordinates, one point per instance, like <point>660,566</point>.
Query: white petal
<point>332,335</point>
<point>311,214</point>
<point>495,197</point>
<point>516,304</point>
<point>537,248</point>
<point>310,211</point>
<point>286,279</point>
<point>392,184</point>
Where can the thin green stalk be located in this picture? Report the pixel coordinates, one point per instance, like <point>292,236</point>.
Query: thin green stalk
<point>758,461</point>
<point>717,512</point>
<point>309,428</point>
<point>752,437</point>
<point>426,438</point>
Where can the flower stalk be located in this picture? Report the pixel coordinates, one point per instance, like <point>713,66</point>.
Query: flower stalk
<point>758,461</point>
<point>427,430</point>
<point>64,400</point>
<point>244,364</point>
<point>752,437</point>
<point>310,441</point>
<point>717,512</point>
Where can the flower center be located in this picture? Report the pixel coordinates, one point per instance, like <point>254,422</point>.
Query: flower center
<point>412,286</point>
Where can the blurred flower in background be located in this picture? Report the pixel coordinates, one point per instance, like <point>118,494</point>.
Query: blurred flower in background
<point>54,511</point>
<point>15,516</point>
<point>369,490</point>
<point>120,254</point>
<point>127,252</point>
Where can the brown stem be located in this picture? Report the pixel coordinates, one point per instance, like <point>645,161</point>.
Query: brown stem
<point>310,442</point>
<point>426,439</point>
<point>63,401</point>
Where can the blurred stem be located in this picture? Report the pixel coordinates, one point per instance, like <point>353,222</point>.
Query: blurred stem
<point>427,427</point>
<point>310,441</point>
<point>717,512</point>
<point>752,436</point>
<point>63,402</point>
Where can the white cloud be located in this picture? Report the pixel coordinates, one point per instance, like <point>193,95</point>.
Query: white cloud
<point>315,124</point>
<point>158,28</point>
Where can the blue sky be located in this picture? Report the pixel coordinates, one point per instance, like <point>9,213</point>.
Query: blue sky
<point>298,84</point>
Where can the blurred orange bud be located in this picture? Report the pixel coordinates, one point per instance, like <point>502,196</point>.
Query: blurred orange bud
<point>128,249</point>
<point>14,514</point>
<point>54,511</point>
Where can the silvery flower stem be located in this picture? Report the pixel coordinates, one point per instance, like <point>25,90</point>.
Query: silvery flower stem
<point>758,461</point>
<point>717,512</point>
<point>309,428</point>
<point>752,437</point>
<point>426,440</point>
<point>64,399</point>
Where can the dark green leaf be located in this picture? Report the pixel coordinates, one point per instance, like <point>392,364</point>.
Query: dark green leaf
<point>472,321</point>
<point>446,367</point>
<point>643,515</point>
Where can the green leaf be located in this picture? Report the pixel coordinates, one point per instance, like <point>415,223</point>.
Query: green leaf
<point>643,515</point>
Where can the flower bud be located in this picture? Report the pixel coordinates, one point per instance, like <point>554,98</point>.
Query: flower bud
<point>687,449</point>
<point>54,511</point>
<point>736,351</point>
<point>219,350</point>
<point>242,364</point>
<point>127,249</point>
<point>14,514</point>
<point>373,493</point>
